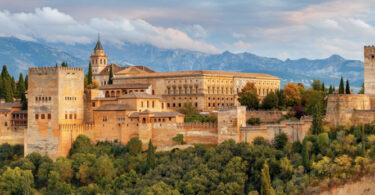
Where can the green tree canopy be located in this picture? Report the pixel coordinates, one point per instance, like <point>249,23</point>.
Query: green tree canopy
<point>110,78</point>
<point>249,99</point>
<point>271,101</point>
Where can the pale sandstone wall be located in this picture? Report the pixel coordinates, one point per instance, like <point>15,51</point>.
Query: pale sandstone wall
<point>340,107</point>
<point>230,120</point>
<point>61,90</point>
<point>12,136</point>
<point>296,131</point>
<point>265,116</point>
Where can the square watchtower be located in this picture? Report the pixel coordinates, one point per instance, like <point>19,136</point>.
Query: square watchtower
<point>369,69</point>
<point>55,96</point>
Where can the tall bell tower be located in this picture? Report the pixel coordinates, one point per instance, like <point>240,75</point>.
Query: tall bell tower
<point>98,59</point>
<point>369,69</point>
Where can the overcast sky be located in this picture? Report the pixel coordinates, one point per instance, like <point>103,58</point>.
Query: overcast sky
<point>274,28</point>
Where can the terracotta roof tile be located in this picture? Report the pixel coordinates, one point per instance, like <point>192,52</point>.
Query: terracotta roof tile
<point>135,95</point>
<point>156,114</point>
<point>201,72</point>
<point>115,107</point>
<point>10,105</point>
<point>125,86</point>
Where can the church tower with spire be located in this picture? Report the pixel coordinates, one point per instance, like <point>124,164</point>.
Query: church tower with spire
<point>98,59</point>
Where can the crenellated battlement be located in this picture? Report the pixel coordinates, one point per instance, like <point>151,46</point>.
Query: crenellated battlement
<point>52,69</point>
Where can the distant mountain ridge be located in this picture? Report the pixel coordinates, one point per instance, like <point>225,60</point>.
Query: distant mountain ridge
<point>19,55</point>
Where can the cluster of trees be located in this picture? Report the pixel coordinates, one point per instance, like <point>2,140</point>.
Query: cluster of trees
<point>294,97</point>
<point>276,167</point>
<point>10,89</point>
<point>192,115</point>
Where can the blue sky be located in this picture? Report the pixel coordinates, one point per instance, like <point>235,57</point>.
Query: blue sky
<point>274,28</point>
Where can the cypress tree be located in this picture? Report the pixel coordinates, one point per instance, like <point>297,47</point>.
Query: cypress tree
<point>151,162</point>
<point>266,188</point>
<point>110,80</point>
<point>27,82</point>
<point>13,84</point>
<point>23,101</point>
<point>64,64</point>
<point>347,88</point>
<point>330,90</point>
<point>89,75</point>
<point>8,93</point>
<point>363,139</point>
<point>1,87</point>
<point>323,87</point>
<point>20,86</point>
<point>5,73</point>
<point>362,91</point>
<point>341,87</point>
<point>305,156</point>
<point>317,123</point>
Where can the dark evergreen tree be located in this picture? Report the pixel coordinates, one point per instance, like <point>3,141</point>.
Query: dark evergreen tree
<point>13,84</point>
<point>317,123</point>
<point>24,101</point>
<point>151,162</point>
<point>306,156</point>
<point>323,87</point>
<point>64,64</point>
<point>8,92</point>
<point>341,87</point>
<point>20,87</point>
<point>110,79</point>
<point>330,90</point>
<point>347,88</point>
<point>5,73</point>
<point>270,101</point>
<point>89,75</point>
<point>362,91</point>
<point>26,82</point>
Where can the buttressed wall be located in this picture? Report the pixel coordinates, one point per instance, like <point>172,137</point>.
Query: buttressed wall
<point>55,96</point>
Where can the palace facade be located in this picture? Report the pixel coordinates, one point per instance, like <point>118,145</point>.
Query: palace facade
<point>140,103</point>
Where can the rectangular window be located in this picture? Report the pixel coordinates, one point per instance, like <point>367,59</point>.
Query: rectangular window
<point>147,104</point>
<point>37,116</point>
<point>162,105</point>
<point>70,116</point>
<point>66,116</point>
<point>153,104</point>
<point>169,91</point>
<point>93,104</point>
<point>75,116</point>
<point>218,90</point>
<point>49,116</point>
<point>42,116</point>
<point>174,91</point>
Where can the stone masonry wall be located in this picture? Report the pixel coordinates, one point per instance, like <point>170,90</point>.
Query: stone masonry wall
<point>265,116</point>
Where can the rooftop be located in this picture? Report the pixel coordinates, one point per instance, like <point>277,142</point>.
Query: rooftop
<point>116,69</point>
<point>200,73</point>
<point>115,107</point>
<point>136,95</point>
<point>156,114</point>
<point>125,86</point>
<point>10,105</point>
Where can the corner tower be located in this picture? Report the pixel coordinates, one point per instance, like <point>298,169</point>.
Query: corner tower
<point>98,58</point>
<point>369,69</point>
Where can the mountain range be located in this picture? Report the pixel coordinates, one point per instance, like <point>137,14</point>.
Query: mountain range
<point>18,55</point>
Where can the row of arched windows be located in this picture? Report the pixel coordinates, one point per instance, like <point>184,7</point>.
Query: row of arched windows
<point>42,98</point>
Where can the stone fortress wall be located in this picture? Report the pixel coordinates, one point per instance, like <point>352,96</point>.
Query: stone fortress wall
<point>355,109</point>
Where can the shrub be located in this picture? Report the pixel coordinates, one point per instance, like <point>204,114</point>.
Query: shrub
<point>253,121</point>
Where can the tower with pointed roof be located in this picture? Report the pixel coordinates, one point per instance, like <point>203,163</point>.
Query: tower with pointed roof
<point>98,59</point>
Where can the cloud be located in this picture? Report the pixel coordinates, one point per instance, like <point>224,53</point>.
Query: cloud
<point>54,26</point>
<point>196,31</point>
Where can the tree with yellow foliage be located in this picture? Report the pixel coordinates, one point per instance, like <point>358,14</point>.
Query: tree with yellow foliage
<point>293,94</point>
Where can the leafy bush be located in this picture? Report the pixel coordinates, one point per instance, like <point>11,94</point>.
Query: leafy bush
<point>253,121</point>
